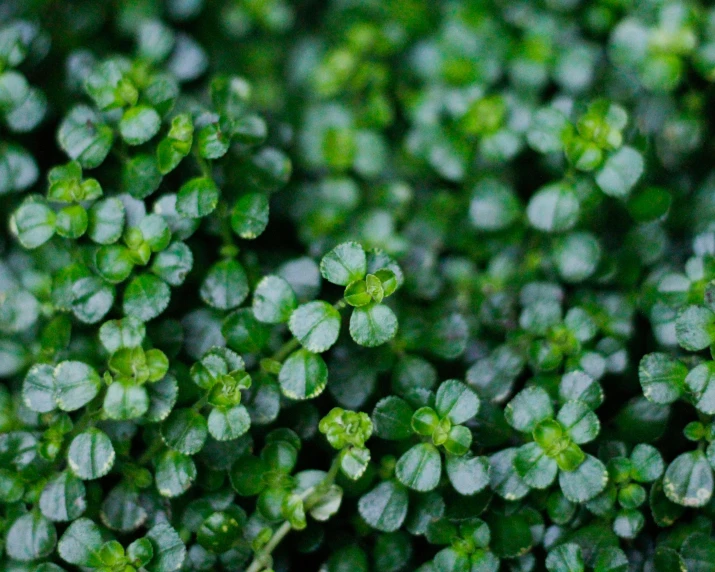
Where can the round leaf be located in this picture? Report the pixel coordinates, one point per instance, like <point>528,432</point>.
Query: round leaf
<point>420,467</point>
<point>316,325</point>
<point>273,300</point>
<point>585,482</point>
<point>226,424</point>
<point>303,375</point>
<point>456,401</point>
<point>373,325</point>
<point>185,431</point>
<point>91,455</point>
<point>344,264</point>
<point>688,480</point>
<point>76,384</point>
<point>225,286</point>
<point>468,474</point>
<point>63,498</point>
<point>32,536</point>
<point>145,297</point>
<point>384,508</point>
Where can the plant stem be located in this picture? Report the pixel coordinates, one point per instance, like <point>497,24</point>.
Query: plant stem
<point>263,557</point>
<point>285,349</point>
<point>310,496</point>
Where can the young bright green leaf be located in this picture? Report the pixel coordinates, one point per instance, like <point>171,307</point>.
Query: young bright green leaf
<point>420,468</point>
<point>91,454</point>
<point>316,325</point>
<point>304,375</point>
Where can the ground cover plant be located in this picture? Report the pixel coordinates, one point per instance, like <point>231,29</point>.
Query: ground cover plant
<point>353,285</point>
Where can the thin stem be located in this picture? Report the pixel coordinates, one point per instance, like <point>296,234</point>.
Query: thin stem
<point>151,452</point>
<point>285,349</point>
<point>263,557</point>
<point>310,496</point>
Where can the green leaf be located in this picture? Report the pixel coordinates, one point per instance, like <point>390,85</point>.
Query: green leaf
<point>303,375</point>
<point>173,264</point>
<point>125,400</point>
<point>91,455</point>
<point>38,389</point>
<point>84,137</point>
<point>554,208</point>
<point>528,408</point>
<point>63,498</point>
<point>122,509</point>
<point>620,172</point>
<point>219,532</point>
<point>273,300</point>
<point>76,385</point>
<point>503,478</point>
<point>145,297</point>
<point>175,473</point>
<point>646,463</point>
<point>34,223</point>
<point>80,544</point>
<point>493,206</point>
<point>579,386</point>
<point>125,333</point>
<point>246,475</point>
<point>384,508</point>
<point>316,325</point>
<point>701,383</point>
<point>344,264</point>
<point>420,467</point>
<point>249,217</point>
<point>31,536</point>
<point>534,467</point>
<point>468,475</point>
<point>169,551</point>
<point>373,325</point>
<point>106,221</point>
<point>688,480</point>
<point>185,431</point>
<point>585,482</point>
<point>577,256</point>
<point>114,263</point>
<point>456,401</point>
<point>141,176</point>
<point>226,424</point>
<point>547,130</point>
<point>243,332</point>
<point>628,523</point>
<point>211,142</point>
<point>392,418</point>
<point>581,424</point>
<point>225,285</point>
<point>662,377</point>
<point>510,534</point>
<point>565,558</point>
<point>139,124</point>
<point>197,197</point>
<point>698,552</point>
<point>162,397</point>
<point>92,298</point>
<point>695,328</point>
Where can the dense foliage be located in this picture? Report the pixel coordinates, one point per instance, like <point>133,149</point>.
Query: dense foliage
<point>474,334</point>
